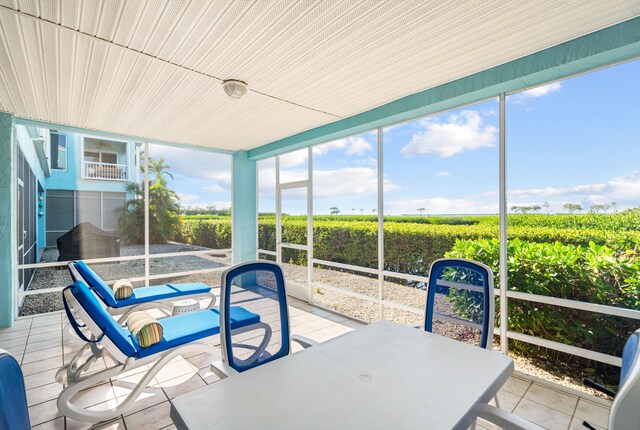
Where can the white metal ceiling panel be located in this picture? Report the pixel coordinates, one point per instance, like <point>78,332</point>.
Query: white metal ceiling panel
<point>153,68</point>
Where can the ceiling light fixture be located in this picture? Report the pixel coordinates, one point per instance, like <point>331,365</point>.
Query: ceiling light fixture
<point>235,88</point>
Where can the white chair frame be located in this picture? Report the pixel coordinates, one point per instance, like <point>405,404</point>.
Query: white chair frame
<point>77,377</point>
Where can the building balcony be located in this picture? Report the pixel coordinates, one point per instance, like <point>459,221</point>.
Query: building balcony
<point>104,171</point>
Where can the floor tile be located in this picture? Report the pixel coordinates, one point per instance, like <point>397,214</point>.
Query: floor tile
<point>42,354</point>
<point>56,424</point>
<point>506,400</point>
<point>542,415</point>
<point>93,396</point>
<point>151,396</point>
<point>173,370</point>
<point>552,398</point>
<point>576,424</point>
<point>153,418</point>
<point>41,365</point>
<point>517,386</point>
<point>38,346</point>
<point>208,376</point>
<point>181,385</point>
<point>43,412</point>
<point>40,379</point>
<point>14,334</point>
<point>14,342</point>
<point>593,413</point>
<point>117,424</point>
<point>43,394</point>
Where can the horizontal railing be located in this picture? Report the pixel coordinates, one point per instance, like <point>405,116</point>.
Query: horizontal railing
<point>104,171</point>
<point>510,294</point>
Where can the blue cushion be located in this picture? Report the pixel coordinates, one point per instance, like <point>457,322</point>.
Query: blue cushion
<point>13,401</point>
<point>194,326</point>
<point>119,336</point>
<point>96,282</point>
<point>162,292</point>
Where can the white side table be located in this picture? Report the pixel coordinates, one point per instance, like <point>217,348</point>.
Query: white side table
<point>185,306</point>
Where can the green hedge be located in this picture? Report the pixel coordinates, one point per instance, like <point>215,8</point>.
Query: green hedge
<point>409,248</point>
<point>594,274</point>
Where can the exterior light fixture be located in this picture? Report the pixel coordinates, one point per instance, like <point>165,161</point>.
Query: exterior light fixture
<point>234,88</point>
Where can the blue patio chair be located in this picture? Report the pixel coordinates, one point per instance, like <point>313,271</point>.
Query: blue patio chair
<point>460,301</point>
<point>14,413</point>
<point>625,410</point>
<point>153,297</point>
<point>182,334</point>
<point>260,287</point>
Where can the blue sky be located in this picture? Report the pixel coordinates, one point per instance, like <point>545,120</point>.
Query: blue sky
<point>574,141</point>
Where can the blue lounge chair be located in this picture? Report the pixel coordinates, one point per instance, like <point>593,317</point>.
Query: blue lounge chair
<point>182,334</point>
<point>14,413</point>
<point>259,285</point>
<point>154,297</point>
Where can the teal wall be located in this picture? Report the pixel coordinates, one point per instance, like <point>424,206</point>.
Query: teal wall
<point>7,224</point>
<point>610,45</point>
<point>243,204</point>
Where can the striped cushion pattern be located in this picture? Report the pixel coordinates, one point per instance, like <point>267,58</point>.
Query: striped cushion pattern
<point>145,329</point>
<point>122,289</point>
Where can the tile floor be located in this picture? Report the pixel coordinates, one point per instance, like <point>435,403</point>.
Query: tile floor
<point>41,347</point>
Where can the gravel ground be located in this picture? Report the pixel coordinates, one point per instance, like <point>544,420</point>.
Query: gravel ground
<point>52,277</point>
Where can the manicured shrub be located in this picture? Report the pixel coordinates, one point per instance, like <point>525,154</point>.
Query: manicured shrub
<point>593,273</point>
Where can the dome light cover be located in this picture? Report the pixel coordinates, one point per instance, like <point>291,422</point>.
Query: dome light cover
<point>235,88</point>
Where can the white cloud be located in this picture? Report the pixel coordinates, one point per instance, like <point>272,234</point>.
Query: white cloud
<point>349,181</point>
<point>444,174</point>
<point>369,161</point>
<point>440,205</point>
<point>542,90</point>
<point>186,198</point>
<point>624,190</point>
<point>462,132</point>
<point>216,188</point>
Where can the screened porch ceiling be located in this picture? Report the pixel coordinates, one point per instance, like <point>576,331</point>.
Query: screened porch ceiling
<point>153,69</point>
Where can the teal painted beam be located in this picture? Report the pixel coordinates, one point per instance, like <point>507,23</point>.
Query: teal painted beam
<point>610,45</point>
<point>244,210</point>
<point>7,226</point>
<point>108,135</point>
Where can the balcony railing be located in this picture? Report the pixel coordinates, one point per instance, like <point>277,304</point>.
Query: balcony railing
<point>105,171</point>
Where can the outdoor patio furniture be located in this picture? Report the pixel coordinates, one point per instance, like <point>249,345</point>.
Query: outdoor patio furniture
<point>87,241</point>
<point>260,282</point>
<point>460,301</point>
<point>625,411</point>
<point>182,334</point>
<point>14,413</point>
<point>153,297</point>
<point>381,376</point>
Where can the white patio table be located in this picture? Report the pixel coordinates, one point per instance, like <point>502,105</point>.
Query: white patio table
<point>381,376</point>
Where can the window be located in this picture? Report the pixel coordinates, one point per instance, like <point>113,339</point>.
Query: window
<point>58,148</point>
<point>101,157</point>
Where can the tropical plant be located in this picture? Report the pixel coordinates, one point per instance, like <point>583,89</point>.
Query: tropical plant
<point>164,207</point>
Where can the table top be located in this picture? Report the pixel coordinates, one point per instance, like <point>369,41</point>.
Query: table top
<point>380,376</point>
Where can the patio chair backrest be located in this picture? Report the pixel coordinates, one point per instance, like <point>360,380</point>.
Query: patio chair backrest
<point>91,278</point>
<point>14,413</point>
<point>99,321</point>
<point>625,410</point>
<point>460,301</point>
<point>258,287</point>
